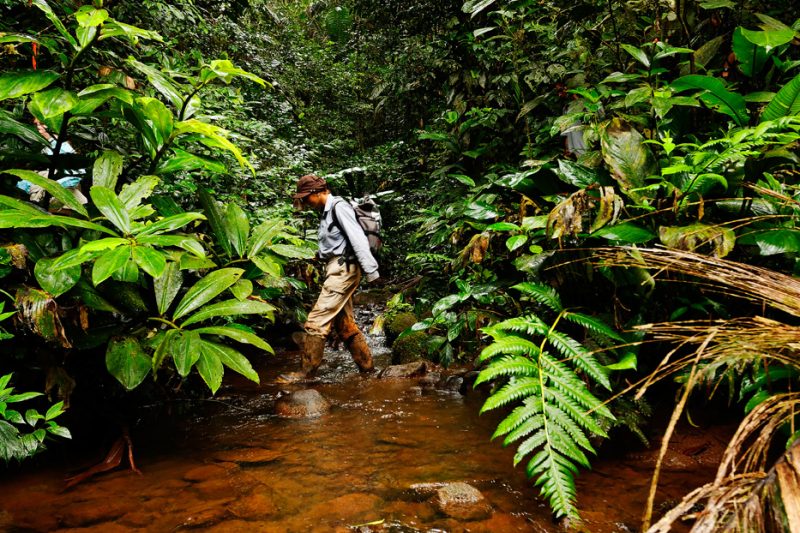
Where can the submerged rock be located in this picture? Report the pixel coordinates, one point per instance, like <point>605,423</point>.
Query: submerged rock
<point>410,370</point>
<point>307,403</point>
<point>248,456</point>
<point>462,502</point>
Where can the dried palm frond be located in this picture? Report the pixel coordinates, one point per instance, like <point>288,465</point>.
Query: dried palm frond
<point>746,281</point>
<point>745,496</point>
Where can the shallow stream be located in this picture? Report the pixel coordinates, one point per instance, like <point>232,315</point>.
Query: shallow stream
<point>370,464</point>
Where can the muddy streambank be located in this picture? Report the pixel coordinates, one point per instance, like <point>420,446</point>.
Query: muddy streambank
<point>377,459</point>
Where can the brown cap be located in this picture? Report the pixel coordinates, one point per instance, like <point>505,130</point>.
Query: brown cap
<point>309,184</point>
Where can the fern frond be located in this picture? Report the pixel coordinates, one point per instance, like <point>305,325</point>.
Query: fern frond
<point>555,475</point>
<point>528,445</point>
<point>561,377</point>
<point>529,426</point>
<point>564,411</point>
<point>530,325</point>
<point>580,357</point>
<point>511,365</point>
<point>511,346</point>
<point>544,294</point>
<point>562,443</point>
<point>516,389</point>
<point>593,324</point>
<point>516,418</point>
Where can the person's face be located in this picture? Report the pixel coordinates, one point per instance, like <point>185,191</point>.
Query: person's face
<point>315,200</point>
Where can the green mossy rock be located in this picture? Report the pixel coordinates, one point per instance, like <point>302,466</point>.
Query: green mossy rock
<point>410,348</point>
<point>396,324</point>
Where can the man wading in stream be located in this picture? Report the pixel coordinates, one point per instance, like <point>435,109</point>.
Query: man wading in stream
<point>344,248</point>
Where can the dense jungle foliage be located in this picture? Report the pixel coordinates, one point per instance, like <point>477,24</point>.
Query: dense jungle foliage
<point>570,190</point>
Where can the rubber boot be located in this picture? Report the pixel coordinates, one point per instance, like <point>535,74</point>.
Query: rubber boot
<point>313,347</point>
<point>361,353</point>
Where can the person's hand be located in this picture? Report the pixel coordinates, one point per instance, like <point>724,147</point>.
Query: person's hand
<point>371,278</point>
<point>42,129</point>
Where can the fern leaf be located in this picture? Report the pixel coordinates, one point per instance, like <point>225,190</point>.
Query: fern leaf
<point>559,405</point>
<point>518,388</point>
<point>512,365</point>
<point>516,418</point>
<point>528,445</point>
<point>580,357</point>
<point>544,294</point>
<point>509,345</point>
<point>530,325</point>
<point>529,426</point>
<point>564,379</point>
<point>593,324</point>
<point>562,443</point>
<point>555,475</point>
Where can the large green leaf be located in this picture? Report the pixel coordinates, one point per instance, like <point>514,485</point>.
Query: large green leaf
<point>206,289</point>
<point>52,103</point>
<point>180,241</point>
<point>110,205</point>
<point>292,251</point>
<point>224,70</point>
<point>48,11</point>
<point>167,286</point>
<point>785,103</point>
<point>151,261</point>
<point>230,308</point>
<point>210,368</point>
<point>715,95</point>
<point>231,358</point>
<point>26,219</point>
<point>626,232</point>
<point>20,83</point>
<point>169,223</point>
<point>238,335</point>
<point>127,361</point>
<point>132,194</point>
<point>628,158</point>
<point>263,234</point>
<point>94,96</point>
<point>575,174</point>
<point>775,241</point>
<point>185,347</point>
<point>214,137</point>
<point>237,225</point>
<point>107,169</point>
<point>56,282</point>
<point>158,115</point>
<point>160,82</point>
<point>183,161</point>
<point>52,187</point>
<point>751,57</point>
<point>10,126</point>
<point>720,240</point>
<point>110,262</point>
<point>88,16</point>
<point>769,39</point>
<point>216,220</point>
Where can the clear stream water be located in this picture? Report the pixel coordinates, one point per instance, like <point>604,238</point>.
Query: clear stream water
<point>236,467</point>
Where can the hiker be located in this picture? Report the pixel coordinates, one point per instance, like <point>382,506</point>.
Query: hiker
<point>344,248</point>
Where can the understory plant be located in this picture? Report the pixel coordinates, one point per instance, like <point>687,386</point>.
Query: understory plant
<point>538,366</point>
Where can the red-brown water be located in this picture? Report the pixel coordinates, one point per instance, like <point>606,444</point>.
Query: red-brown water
<point>242,469</point>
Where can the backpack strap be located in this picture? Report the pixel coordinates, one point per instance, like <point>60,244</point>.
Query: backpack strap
<point>349,253</point>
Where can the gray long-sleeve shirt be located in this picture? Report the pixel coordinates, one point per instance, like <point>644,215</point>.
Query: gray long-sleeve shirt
<point>333,242</point>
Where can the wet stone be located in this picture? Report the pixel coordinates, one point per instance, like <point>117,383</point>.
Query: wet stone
<point>356,506</point>
<point>429,380</point>
<point>204,518</point>
<point>248,456</point>
<point>307,403</point>
<point>254,506</point>
<point>206,472</point>
<point>462,502</point>
<point>94,512</point>
<point>410,370</point>
<point>99,528</point>
<point>452,384</point>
